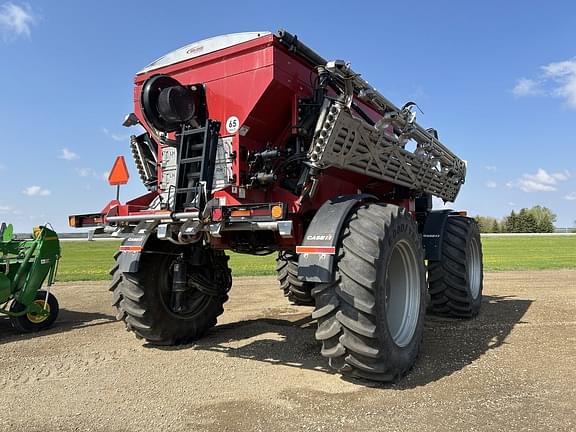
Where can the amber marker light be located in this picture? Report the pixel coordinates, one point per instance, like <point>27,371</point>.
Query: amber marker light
<point>240,213</point>
<point>276,211</point>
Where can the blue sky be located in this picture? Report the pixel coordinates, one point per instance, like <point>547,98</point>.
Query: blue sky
<point>497,79</point>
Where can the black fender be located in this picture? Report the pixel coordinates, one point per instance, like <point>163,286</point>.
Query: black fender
<point>433,233</point>
<point>133,245</point>
<point>318,249</point>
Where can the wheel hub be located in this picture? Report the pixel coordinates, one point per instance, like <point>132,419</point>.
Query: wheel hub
<point>403,294</point>
<point>474,267</point>
<point>38,318</point>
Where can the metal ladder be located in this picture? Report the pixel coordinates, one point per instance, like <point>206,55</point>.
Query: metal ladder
<point>196,161</point>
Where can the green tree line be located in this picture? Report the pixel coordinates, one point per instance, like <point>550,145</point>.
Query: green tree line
<point>537,219</point>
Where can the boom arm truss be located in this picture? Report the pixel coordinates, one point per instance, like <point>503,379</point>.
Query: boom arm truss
<point>379,150</point>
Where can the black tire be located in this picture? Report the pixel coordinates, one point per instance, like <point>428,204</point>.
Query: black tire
<point>297,291</point>
<point>357,327</point>
<point>30,322</point>
<point>143,298</point>
<point>455,282</point>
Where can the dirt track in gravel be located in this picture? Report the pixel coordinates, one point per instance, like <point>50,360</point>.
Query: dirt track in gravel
<point>513,368</point>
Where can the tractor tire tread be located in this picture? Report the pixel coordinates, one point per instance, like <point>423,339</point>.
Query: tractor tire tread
<point>298,292</point>
<point>140,313</point>
<point>448,280</point>
<point>346,309</point>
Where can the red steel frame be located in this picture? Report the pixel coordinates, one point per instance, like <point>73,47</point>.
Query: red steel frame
<point>260,82</point>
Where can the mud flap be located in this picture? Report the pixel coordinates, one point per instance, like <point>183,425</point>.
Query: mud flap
<point>317,252</point>
<point>133,245</point>
<point>433,234</point>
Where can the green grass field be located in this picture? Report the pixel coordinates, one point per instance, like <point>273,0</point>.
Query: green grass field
<point>529,253</point>
<point>83,260</point>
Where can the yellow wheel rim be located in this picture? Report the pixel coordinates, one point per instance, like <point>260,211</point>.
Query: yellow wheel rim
<point>37,319</point>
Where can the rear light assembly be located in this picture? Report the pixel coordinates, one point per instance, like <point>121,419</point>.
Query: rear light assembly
<point>250,213</point>
<point>217,214</point>
<point>85,220</point>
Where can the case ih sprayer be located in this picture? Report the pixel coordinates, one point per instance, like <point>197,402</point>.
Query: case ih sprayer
<point>256,144</point>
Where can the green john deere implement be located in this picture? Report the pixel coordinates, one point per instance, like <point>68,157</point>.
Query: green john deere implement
<point>24,266</point>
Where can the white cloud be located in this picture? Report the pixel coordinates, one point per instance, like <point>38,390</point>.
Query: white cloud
<point>36,191</point>
<point>531,186</point>
<point>562,176</point>
<point>5,209</point>
<point>526,87</point>
<point>491,184</point>
<point>41,216</point>
<point>564,75</point>
<point>115,136</point>
<point>543,177</point>
<point>512,204</point>
<point>542,181</point>
<point>571,196</point>
<point>557,79</point>
<point>15,21</point>
<point>67,154</point>
<point>490,168</point>
<point>86,172</point>
<point>90,172</point>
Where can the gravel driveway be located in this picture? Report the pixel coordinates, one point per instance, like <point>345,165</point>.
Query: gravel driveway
<point>512,368</point>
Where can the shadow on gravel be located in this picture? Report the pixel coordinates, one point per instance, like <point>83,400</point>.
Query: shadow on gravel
<point>67,320</point>
<point>449,345</point>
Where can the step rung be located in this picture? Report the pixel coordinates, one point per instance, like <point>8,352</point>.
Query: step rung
<point>192,160</point>
<point>194,131</point>
<point>193,175</point>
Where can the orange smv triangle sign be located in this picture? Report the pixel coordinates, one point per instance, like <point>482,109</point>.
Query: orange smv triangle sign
<point>119,174</point>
